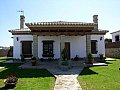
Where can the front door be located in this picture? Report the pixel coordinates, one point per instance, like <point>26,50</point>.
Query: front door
<point>27,48</point>
<point>67,47</point>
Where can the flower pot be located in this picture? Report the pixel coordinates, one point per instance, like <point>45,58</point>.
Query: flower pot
<point>33,62</point>
<point>10,84</point>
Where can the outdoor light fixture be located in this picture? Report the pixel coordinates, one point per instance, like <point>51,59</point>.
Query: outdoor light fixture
<point>17,39</point>
<point>100,38</point>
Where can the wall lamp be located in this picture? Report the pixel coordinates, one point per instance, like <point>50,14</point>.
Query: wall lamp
<point>101,38</point>
<point>17,38</point>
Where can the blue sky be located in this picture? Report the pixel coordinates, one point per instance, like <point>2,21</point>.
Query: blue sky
<point>53,10</point>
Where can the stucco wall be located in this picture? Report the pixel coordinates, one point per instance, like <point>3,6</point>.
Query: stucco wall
<point>100,44</point>
<point>77,45</point>
<point>17,44</point>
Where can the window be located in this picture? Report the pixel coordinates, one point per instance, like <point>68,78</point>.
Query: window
<point>48,49</point>
<point>27,48</point>
<point>117,38</point>
<point>94,46</point>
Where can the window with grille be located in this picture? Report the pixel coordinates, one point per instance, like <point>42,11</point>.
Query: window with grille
<point>48,49</point>
<point>94,46</point>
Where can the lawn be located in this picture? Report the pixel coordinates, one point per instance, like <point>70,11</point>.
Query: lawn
<point>3,59</point>
<point>28,79</point>
<point>101,77</point>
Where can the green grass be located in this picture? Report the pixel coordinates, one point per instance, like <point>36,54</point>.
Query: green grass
<point>3,59</point>
<point>28,79</point>
<point>101,77</point>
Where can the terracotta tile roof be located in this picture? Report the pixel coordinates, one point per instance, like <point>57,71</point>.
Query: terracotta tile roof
<point>58,23</point>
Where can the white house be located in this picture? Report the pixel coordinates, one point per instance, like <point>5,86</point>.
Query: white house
<point>116,36</point>
<point>48,39</point>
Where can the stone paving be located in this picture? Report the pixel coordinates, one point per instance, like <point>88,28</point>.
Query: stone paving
<point>66,80</point>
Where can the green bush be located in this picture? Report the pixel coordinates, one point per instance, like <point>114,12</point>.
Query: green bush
<point>90,58</point>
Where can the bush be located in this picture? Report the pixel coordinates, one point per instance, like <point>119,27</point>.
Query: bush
<point>90,58</point>
<point>22,57</point>
<point>76,58</point>
<point>101,56</point>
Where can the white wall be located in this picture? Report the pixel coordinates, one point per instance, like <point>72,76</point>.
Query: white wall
<point>77,45</point>
<point>17,44</point>
<point>115,34</point>
<point>100,44</point>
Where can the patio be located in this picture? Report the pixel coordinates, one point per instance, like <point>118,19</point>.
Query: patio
<point>50,64</point>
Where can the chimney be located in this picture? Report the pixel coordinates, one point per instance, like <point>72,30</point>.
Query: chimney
<point>22,20</point>
<point>95,20</point>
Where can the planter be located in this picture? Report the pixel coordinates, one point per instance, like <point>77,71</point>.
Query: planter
<point>65,65</point>
<point>33,62</point>
<point>10,84</point>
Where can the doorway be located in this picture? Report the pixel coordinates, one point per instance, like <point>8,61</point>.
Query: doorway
<point>67,47</point>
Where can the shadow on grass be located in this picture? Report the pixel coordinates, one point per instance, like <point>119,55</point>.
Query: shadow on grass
<point>12,68</point>
<point>87,71</point>
<point>8,87</point>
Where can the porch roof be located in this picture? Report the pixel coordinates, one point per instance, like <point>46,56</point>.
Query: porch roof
<point>47,33</point>
<point>60,24</point>
<point>59,28</point>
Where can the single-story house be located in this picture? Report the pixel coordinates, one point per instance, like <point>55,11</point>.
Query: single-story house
<point>48,39</point>
<point>115,36</point>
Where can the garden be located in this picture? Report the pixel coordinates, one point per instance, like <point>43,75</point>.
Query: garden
<point>31,79</point>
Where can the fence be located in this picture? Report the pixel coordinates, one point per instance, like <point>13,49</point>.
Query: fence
<point>112,49</point>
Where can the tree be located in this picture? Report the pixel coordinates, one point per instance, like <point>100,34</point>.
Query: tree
<point>108,40</point>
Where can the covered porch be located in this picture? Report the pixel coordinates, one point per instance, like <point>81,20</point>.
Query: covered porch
<point>50,38</point>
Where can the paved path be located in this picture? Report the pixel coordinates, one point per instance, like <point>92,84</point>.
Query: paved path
<point>66,80</point>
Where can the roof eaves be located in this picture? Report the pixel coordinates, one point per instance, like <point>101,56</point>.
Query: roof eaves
<point>115,32</point>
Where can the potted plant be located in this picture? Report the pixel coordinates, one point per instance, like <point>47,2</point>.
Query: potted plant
<point>64,57</point>
<point>10,81</point>
<point>76,58</point>
<point>101,56</point>
<point>22,57</point>
<point>64,54</point>
<point>64,62</point>
<point>33,61</point>
<point>90,58</point>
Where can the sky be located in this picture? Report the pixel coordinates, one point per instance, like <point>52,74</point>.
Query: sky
<point>57,10</point>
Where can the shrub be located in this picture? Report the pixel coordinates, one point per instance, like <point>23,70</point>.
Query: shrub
<point>90,58</point>
<point>76,58</point>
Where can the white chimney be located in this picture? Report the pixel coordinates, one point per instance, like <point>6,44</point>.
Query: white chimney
<point>95,20</point>
<point>22,20</point>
